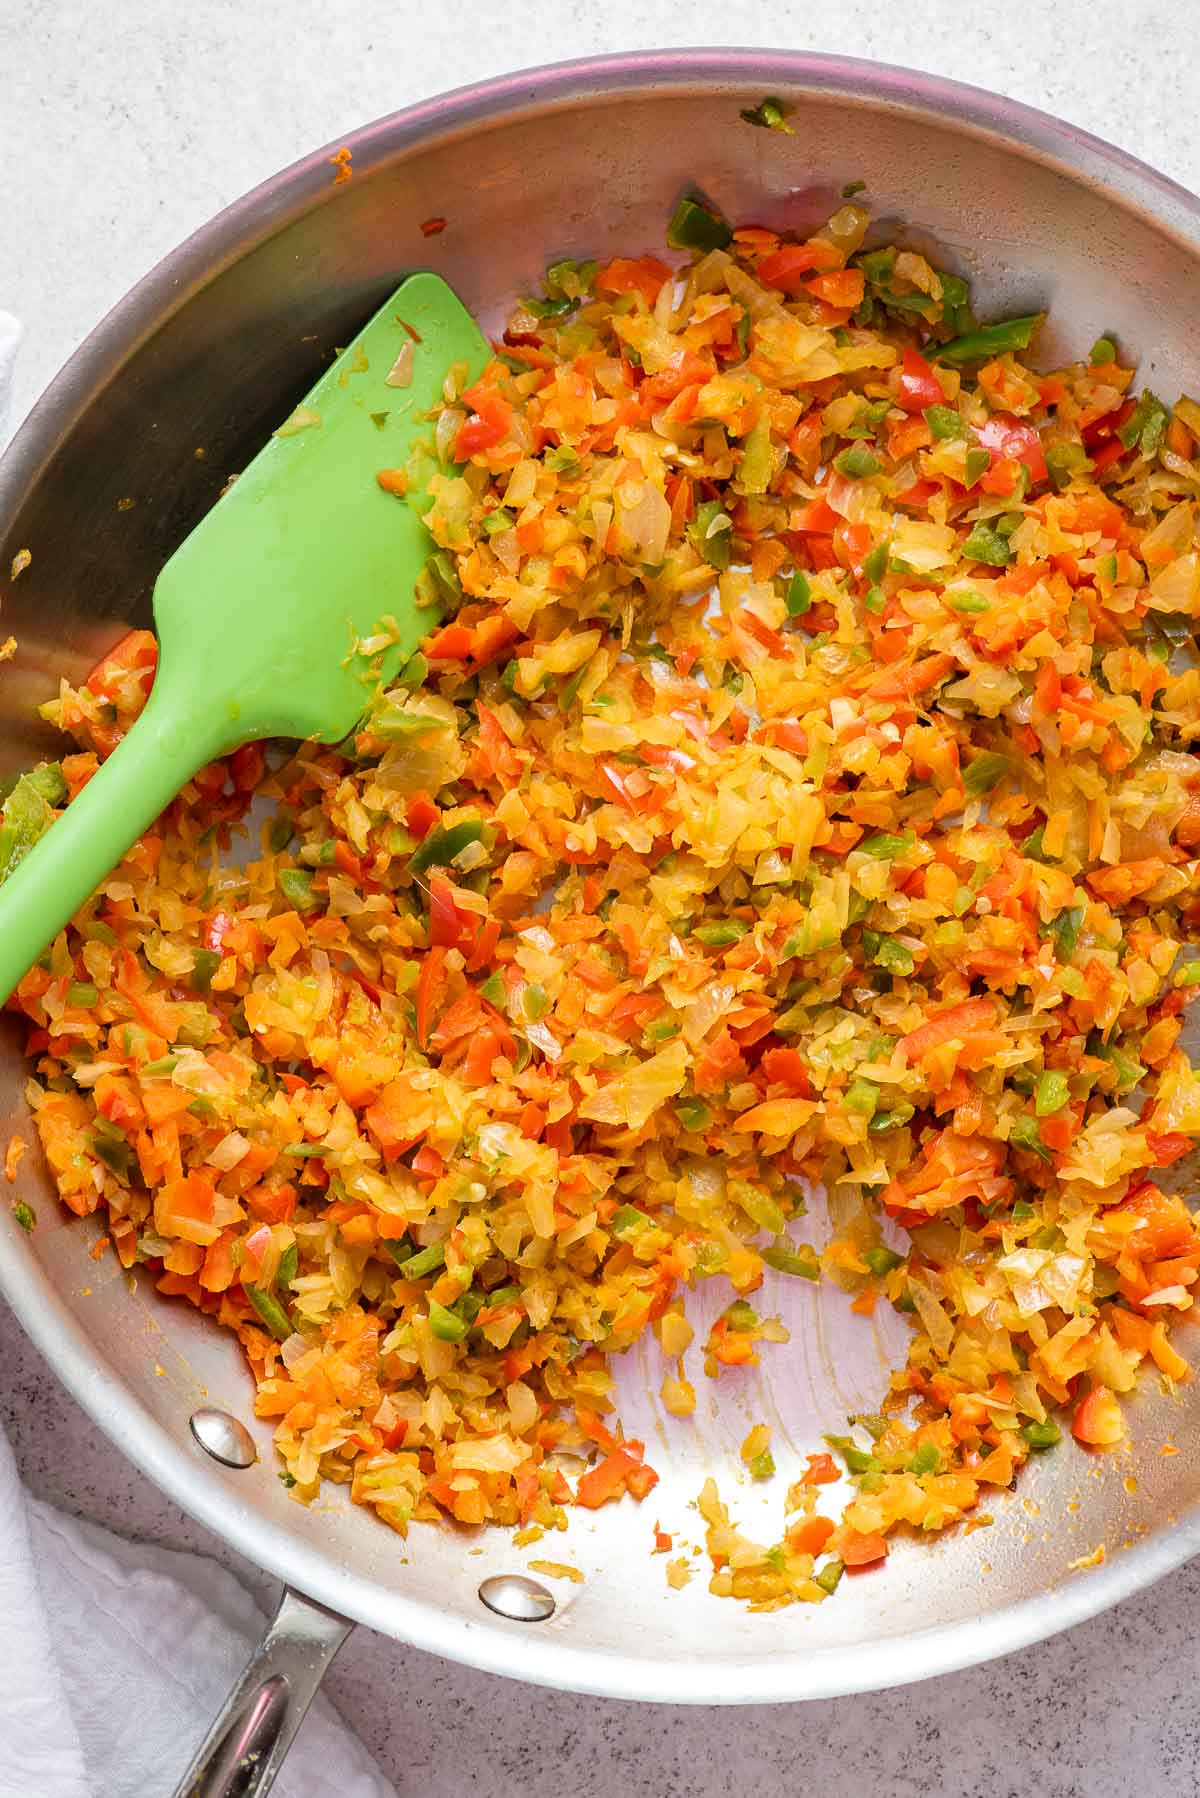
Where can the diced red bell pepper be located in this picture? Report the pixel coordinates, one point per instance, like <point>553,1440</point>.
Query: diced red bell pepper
<point>641,1481</point>
<point>614,785</point>
<point>421,815</point>
<point>821,554</point>
<point>484,948</point>
<point>1168,1148</point>
<point>1107,453</point>
<point>428,1163</point>
<point>450,644</point>
<point>785,733</point>
<point>863,1551</point>
<point>810,1537</point>
<point>919,386</point>
<point>1047,691</point>
<point>658,390</point>
<point>486,1045</point>
<point>346,861</point>
<point>1107,425</point>
<point>560,1136</point>
<point>1011,439</point>
<point>137,650</point>
<point>467,1014</point>
<point>116,1100</point>
<point>272,1204</point>
<point>446,922</point>
<point>595,1429</point>
<point>490,638</point>
<point>915,677</point>
<point>1001,478</point>
<point>843,288</point>
<point>431,986</point>
<point>762,633</point>
<point>819,516</point>
<point>604,1481</point>
<point>788,266</point>
<point>488,425</point>
<point>821,1471</point>
<point>1099,1420</point>
<point>805,441</point>
<point>919,494</point>
<point>787,1067</point>
<point>624,274</point>
<point>852,546</point>
<point>1059,1132</point>
<point>246,767</point>
<point>957,1021</point>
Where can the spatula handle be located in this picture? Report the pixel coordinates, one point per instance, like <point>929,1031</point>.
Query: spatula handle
<point>123,798</point>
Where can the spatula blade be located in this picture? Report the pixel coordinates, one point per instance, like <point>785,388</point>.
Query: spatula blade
<point>306,553</point>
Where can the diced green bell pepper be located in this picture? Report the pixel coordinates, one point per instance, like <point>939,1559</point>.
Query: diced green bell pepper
<point>983,773</point>
<point>987,545</point>
<point>296,885</point>
<point>442,845</point>
<point>270,1312</point>
<point>1051,1093</point>
<point>446,1325</point>
<point>799,1263</point>
<point>694,227</point>
<point>989,340</point>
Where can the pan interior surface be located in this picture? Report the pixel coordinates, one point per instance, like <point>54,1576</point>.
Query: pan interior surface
<point>170,396</point>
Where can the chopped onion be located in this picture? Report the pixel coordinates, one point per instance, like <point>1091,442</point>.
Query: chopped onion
<point>302,419</point>
<point>645,524</point>
<point>447,429</point>
<point>229,1151</point>
<point>1179,1296</point>
<point>401,372</point>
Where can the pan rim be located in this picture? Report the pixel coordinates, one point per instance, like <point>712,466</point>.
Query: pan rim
<point>552,1659</point>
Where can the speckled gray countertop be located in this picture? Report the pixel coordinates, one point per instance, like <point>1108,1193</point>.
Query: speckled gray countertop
<point>124,127</point>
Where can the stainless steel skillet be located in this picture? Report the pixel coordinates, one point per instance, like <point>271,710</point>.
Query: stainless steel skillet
<point>205,356</point>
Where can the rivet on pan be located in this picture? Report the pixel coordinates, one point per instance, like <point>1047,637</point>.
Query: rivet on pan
<point>223,1437</point>
<point>515,1596</point>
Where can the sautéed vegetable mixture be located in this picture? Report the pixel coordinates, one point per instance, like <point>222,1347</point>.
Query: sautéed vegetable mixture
<point>798,787</point>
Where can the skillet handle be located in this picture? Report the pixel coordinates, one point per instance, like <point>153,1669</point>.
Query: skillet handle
<point>244,1749</point>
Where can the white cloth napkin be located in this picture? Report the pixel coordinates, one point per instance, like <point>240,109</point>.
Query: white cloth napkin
<point>115,1656</point>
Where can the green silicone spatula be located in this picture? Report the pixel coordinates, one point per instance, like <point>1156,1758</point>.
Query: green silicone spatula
<point>257,611</point>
